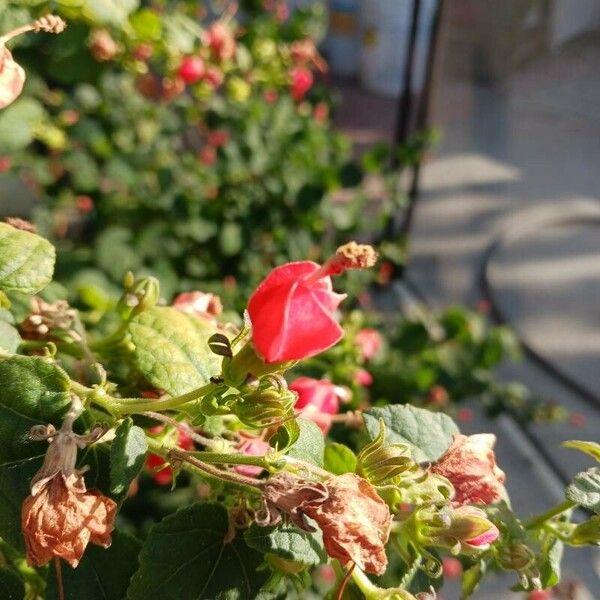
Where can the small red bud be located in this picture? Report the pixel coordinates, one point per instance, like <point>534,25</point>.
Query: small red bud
<point>191,69</point>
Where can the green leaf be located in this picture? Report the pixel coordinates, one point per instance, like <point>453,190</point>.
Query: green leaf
<point>33,391</point>
<point>550,571</point>
<point>287,542</point>
<point>9,336</point>
<point>585,489</point>
<point>339,459</point>
<point>11,585</point>
<point>14,488</point>
<point>102,574</point>
<point>471,579</point>
<point>26,260</point>
<point>171,349</point>
<point>188,556</point>
<point>429,434</point>
<point>147,24</point>
<point>591,448</point>
<point>310,445</point>
<point>113,12</point>
<point>127,456</point>
<point>18,123</point>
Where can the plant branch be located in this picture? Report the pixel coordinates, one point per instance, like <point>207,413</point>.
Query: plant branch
<point>540,520</point>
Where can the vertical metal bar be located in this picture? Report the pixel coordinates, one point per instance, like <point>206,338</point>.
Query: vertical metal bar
<point>422,121</point>
<point>405,107</point>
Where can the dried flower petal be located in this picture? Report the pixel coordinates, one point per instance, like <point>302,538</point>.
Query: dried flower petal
<point>354,520</point>
<point>62,517</point>
<point>470,465</point>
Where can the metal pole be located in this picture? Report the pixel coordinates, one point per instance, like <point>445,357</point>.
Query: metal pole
<point>422,120</point>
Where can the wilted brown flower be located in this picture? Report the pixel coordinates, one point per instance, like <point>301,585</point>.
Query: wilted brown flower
<point>45,317</point>
<point>102,46</point>
<point>470,465</point>
<point>21,224</point>
<point>354,520</point>
<point>61,516</point>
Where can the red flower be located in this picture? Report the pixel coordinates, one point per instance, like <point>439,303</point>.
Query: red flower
<point>317,400</point>
<point>293,310</point>
<point>302,81</point>
<point>218,138</point>
<point>470,465</point>
<point>208,156</point>
<point>164,476</point>
<point>12,78</point>
<point>5,163</point>
<point>214,77</point>
<point>221,41</point>
<point>251,446</point>
<point>270,96</point>
<point>363,377</point>
<point>191,69</point>
<point>452,567</point>
<point>84,204</point>
<point>369,342</point>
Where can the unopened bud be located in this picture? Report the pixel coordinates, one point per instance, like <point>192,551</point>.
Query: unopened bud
<point>265,406</point>
<point>142,295</point>
<point>586,533</point>
<point>516,557</point>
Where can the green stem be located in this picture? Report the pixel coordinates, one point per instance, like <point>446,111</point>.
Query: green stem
<point>125,406</point>
<point>540,520</point>
<point>220,458</point>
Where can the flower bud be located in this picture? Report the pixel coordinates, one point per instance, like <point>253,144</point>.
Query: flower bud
<point>465,530</point>
<point>102,46</point>
<point>142,295</point>
<point>264,407</point>
<point>515,557</point>
<point>401,480</point>
<point>369,342</point>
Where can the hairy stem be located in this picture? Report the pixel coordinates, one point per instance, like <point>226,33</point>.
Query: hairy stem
<point>540,520</point>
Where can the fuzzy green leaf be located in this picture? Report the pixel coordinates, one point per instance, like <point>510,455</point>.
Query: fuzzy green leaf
<point>585,489</point>
<point>33,391</point>
<point>171,349</point>
<point>127,456</point>
<point>102,574</point>
<point>429,434</point>
<point>339,459</point>
<point>14,488</point>
<point>26,260</point>
<point>287,542</point>
<point>9,336</point>
<point>11,585</point>
<point>310,445</point>
<point>188,556</point>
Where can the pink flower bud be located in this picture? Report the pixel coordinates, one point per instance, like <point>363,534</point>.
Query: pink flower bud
<point>369,342</point>
<point>191,69</point>
<point>208,156</point>
<point>302,81</point>
<point>12,78</point>
<point>470,465</point>
<point>452,567</point>
<point>102,46</point>
<point>218,138</point>
<point>317,400</point>
<point>221,41</point>
<point>363,377</point>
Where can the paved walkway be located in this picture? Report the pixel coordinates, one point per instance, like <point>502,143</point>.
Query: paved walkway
<point>513,157</point>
